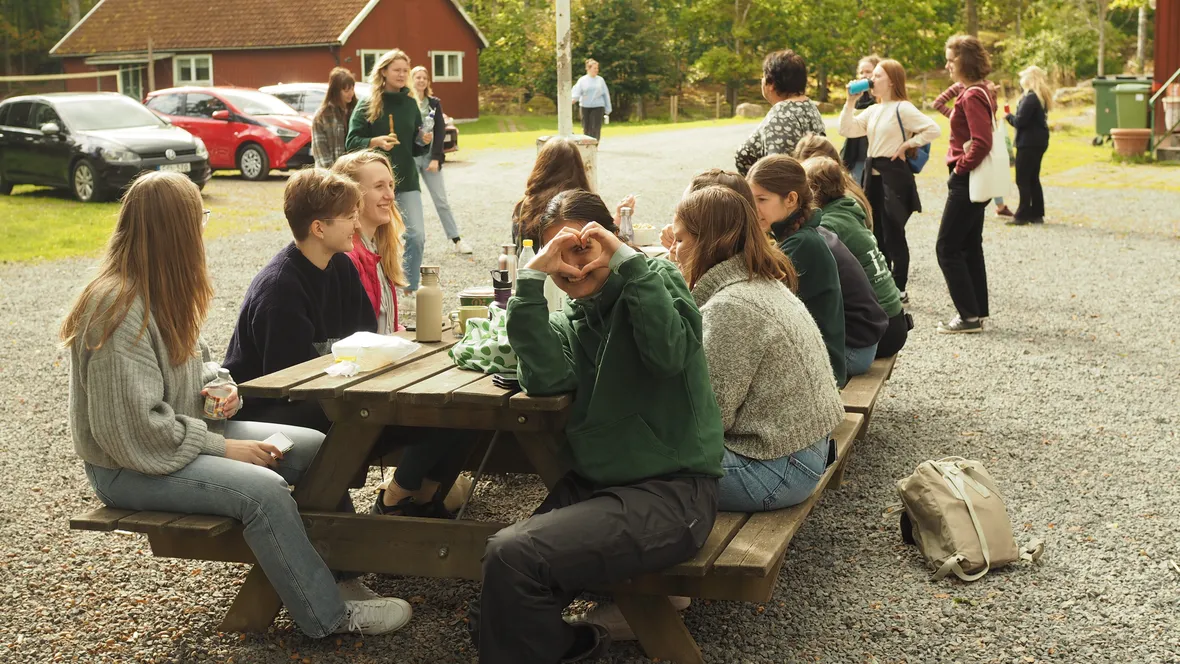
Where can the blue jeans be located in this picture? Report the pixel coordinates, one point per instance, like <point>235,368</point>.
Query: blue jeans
<point>410,205</point>
<point>858,170</point>
<point>858,360</point>
<point>761,485</point>
<point>437,187</point>
<point>258,497</point>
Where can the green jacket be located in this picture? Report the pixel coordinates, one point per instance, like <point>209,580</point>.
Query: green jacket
<point>846,219</point>
<point>819,283</point>
<point>407,119</point>
<point>643,405</point>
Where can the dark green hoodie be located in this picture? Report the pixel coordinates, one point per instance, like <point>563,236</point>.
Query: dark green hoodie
<point>406,121</point>
<point>846,219</point>
<point>819,283</point>
<point>643,404</point>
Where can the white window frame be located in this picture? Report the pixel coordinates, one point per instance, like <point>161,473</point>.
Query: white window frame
<point>375,52</point>
<point>447,77</point>
<point>141,71</point>
<point>191,58</point>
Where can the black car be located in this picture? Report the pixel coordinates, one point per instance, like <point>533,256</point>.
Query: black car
<point>93,144</point>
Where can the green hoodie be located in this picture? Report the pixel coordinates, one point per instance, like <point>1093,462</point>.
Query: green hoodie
<point>846,219</point>
<point>643,404</point>
<point>819,283</point>
<point>407,119</point>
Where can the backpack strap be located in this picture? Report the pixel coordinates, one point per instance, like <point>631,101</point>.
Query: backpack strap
<point>953,476</point>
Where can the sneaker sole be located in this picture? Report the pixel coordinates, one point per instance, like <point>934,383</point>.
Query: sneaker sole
<point>973,330</point>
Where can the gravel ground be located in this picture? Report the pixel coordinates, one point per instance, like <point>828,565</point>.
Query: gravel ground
<point>1068,398</point>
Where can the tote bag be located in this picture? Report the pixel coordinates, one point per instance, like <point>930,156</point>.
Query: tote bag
<point>990,178</point>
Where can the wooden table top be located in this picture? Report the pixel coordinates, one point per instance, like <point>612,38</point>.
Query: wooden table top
<point>426,377</point>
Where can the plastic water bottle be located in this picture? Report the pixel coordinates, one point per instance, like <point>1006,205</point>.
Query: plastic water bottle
<point>427,127</point>
<point>626,229</point>
<point>217,391</point>
<point>554,296</point>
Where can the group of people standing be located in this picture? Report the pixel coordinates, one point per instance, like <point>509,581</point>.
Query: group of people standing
<point>884,133</point>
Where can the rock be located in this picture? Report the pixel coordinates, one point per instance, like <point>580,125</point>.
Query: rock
<point>826,107</point>
<point>749,110</point>
<point>1079,96</point>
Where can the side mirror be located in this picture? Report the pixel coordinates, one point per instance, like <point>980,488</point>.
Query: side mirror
<point>50,129</point>
<point>221,115</point>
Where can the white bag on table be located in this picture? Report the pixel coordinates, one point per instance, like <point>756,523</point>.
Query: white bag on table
<point>369,351</point>
<point>990,178</point>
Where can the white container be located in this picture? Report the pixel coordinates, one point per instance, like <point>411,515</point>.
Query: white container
<point>428,306</point>
<point>1171,112</point>
<point>370,351</point>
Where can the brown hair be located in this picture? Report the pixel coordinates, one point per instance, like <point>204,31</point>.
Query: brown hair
<point>896,74</point>
<point>559,166</point>
<point>377,80</point>
<point>414,90</point>
<point>814,144</point>
<point>973,62</point>
<point>723,224</point>
<point>388,237</point>
<point>155,254</point>
<point>575,205</point>
<point>317,193</point>
<point>339,80</point>
<point>782,174</point>
<point>716,176</point>
<point>829,181</point>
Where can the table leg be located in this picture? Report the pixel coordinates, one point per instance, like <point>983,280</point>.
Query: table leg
<point>541,450</point>
<point>344,451</point>
<point>659,628</point>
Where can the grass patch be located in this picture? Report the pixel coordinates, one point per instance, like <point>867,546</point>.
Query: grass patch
<point>47,224</point>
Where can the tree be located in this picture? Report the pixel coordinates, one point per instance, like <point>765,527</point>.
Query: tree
<point>627,38</point>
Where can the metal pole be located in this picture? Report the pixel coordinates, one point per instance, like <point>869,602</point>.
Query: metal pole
<point>151,68</point>
<point>565,111</point>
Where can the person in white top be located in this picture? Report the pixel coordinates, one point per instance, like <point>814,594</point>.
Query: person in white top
<point>895,128</point>
<point>593,96</point>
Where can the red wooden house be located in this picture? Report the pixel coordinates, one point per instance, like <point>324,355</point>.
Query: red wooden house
<point>252,43</point>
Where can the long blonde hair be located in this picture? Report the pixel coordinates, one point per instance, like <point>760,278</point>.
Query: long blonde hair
<point>388,237</point>
<point>377,80</point>
<point>1035,81</point>
<point>155,254</point>
<point>414,90</point>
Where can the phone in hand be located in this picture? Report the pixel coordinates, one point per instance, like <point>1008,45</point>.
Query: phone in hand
<point>281,441</point>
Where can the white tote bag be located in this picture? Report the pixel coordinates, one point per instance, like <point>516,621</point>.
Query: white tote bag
<point>990,178</point>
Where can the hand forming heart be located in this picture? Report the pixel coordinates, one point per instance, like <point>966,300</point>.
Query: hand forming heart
<point>551,259</point>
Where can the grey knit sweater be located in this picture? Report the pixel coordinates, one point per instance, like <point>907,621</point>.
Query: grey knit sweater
<point>131,408</point>
<point>767,362</point>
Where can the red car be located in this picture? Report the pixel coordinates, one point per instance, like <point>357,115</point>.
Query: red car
<point>242,128</point>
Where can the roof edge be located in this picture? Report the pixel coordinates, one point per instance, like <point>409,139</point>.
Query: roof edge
<point>61,41</point>
<point>475,28</point>
<point>198,49</point>
<point>356,21</point>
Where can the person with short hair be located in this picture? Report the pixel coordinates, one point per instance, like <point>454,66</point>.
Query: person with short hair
<point>1032,140</point>
<point>593,96</point>
<point>792,115</point>
<point>641,494</point>
<point>329,127</point>
<point>960,234</point>
<point>138,366</point>
<point>855,152</point>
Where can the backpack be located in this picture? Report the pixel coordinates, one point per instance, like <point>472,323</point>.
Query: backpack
<point>915,157</point>
<point>958,520</point>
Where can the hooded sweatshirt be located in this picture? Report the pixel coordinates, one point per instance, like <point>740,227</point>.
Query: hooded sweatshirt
<point>643,405</point>
<point>846,219</point>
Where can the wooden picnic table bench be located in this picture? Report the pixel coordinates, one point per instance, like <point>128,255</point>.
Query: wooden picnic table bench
<point>740,560</point>
<point>861,393</point>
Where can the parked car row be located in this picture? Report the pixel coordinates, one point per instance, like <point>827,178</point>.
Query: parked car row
<point>94,144</point>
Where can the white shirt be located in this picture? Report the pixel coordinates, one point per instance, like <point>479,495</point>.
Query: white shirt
<point>879,123</point>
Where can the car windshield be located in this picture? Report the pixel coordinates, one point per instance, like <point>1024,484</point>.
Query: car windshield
<point>257,103</point>
<point>93,114</point>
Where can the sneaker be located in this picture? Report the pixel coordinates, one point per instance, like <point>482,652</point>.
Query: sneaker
<point>959,326</point>
<point>353,590</point>
<point>611,618</point>
<point>375,616</point>
<point>1004,211</point>
<point>404,507</point>
<point>905,297</point>
<point>461,247</point>
<point>598,648</point>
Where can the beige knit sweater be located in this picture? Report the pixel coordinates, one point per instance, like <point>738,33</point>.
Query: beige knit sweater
<point>767,362</point>
<point>131,408</point>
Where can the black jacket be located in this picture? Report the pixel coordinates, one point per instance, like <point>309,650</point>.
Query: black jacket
<point>865,321</point>
<point>439,129</point>
<point>1032,125</point>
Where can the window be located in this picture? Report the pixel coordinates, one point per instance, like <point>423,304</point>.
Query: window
<point>312,100</point>
<point>166,104</point>
<point>131,81</point>
<point>192,70</point>
<point>290,98</point>
<point>369,58</point>
<point>202,106</point>
<point>18,115</point>
<point>89,114</point>
<point>42,114</point>
<point>448,66</point>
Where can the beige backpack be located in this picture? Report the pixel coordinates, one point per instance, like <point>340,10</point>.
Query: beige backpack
<point>958,520</point>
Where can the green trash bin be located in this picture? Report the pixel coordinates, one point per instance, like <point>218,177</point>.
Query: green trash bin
<point>1105,106</point>
<point>1131,99</point>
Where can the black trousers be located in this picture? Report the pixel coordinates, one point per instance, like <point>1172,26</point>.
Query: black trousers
<point>1028,179</point>
<point>592,121</point>
<point>580,537</point>
<point>895,335</point>
<point>960,248</point>
<point>891,213</point>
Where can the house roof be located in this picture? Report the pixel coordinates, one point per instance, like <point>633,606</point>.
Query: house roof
<point>122,26</point>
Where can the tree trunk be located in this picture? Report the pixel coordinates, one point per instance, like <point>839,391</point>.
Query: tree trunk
<point>731,97</point>
<point>972,18</point>
<point>1141,44</point>
<point>75,12</point>
<point>821,82</point>
<point>1102,37</point>
<point>1019,19</point>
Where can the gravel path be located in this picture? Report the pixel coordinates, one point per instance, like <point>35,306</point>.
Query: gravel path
<point>1069,399</point>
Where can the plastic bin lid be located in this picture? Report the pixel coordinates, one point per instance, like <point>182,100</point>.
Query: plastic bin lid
<point>1132,87</point>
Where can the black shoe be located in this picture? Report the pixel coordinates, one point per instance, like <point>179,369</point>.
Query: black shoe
<point>1037,220</point>
<point>1016,222</point>
<point>959,326</point>
<point>905,297</point>
<point>404,507</point>
<point>592,643</point>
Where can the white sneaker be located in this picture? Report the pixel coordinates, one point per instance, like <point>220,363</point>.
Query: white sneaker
<point>355,591</point>
<point>611,618</point>
<point>375,616</point>
<point>461,247</point>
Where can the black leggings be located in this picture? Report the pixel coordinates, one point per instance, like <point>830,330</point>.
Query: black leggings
<point>1028,179</point>
<point>889,221</point>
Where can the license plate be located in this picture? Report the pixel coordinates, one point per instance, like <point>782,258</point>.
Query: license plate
<point>184,167</point>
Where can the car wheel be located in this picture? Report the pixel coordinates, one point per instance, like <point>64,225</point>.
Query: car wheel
<point>85,183</point>
<point>253,162</point>
<point>5,185</point>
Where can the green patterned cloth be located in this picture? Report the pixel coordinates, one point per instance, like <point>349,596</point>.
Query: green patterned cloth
<point>484,346</point>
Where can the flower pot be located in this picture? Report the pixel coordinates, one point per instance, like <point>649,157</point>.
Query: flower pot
<point>1130,142</point>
